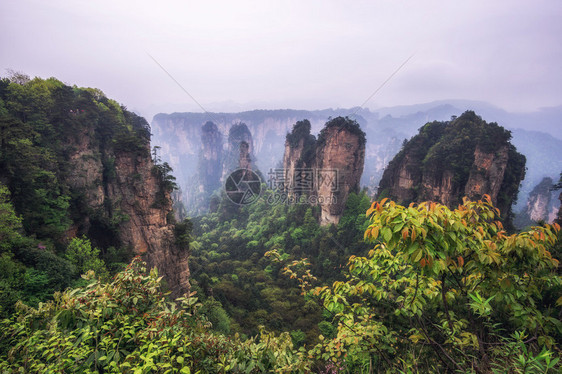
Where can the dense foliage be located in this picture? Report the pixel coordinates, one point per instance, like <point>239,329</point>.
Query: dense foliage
<point>342,123</point>
<point>229,270</point>
<point>448,290</point>
<point>450,147</point>
<point>128,326</point>
<point>442,291</point>
<point>47,128</point>
<point>301,130</point>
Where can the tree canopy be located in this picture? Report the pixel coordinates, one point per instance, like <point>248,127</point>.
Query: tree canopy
<point>448,290</point>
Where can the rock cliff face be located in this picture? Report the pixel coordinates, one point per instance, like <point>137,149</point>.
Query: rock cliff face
<point>559,215</point>
<point>126,204</point>
<point>216,161</point>
<point>449,160</point>
<point>240,149</point>
<point>340,148</point>
<point>179,136</point>
<point>542,205</point>
<point>300,154</point>
<point>209,170</point>
<point>333,164</point>
<point>210,159</point>
<point>487,172</point>
<point>147,230</point>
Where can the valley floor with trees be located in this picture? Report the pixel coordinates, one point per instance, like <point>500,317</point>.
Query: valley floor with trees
<point>392,289</point>
<point>440,290</point>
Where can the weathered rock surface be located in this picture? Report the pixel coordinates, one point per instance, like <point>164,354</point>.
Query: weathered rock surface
<point>335,162</point>
<point>342,150</point>
<point>147,230</point>
<point>299,155</point>
<point>126,206</point>
<point>209,170</point>
<point>486,175</point>
<point>542,205</point>
<point>210,159</point>
<point>179,136</point>
<point>240,149</point>
<point>449,160</point>
<point>216,161</point>
<point>559,215</point>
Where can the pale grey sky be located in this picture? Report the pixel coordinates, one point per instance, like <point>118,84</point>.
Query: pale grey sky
<point>233,55</point>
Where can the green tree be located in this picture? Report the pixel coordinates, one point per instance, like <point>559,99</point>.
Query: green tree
<point>10,223</point>
<point>127,326</point>
<point>182,234</point>
<point>81,254</point>
<point>446,290</point>
<point>216,315</point>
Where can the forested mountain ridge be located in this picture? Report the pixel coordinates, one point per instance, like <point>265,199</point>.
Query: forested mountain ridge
<point>179,136</point>
<point>386,128</point>
<point>78,173</point>
<point>449,160</point>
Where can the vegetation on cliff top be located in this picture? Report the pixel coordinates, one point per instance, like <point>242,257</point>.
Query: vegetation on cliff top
<point>44,123</point>
<point>450,147</point>
<point>342,123</point>
<point>301,132</point>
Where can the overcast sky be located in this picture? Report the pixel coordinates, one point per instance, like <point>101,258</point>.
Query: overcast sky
<point>233,55</point>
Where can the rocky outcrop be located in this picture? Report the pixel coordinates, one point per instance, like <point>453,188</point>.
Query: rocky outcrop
<point>244,158</point>
<point>179,136</point>
<point>487,172</point>
<point>216,161</point>
<point>539,203</point>
<point>559,215</point>
<point>299,155</point>
<point>328,169</point>
<point>209,170</point>
<point>542,205</point>
<point>240,149</point>
<point>210,158</point>
<point>126,204</point>
<point>449,160</point>
<point>340,154</point>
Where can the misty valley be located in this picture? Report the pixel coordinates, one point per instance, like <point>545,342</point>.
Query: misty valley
<point>410,239</point>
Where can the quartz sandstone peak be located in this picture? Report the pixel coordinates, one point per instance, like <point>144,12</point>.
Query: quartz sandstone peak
<point>121,189</point>
<point>542,205</point>
<point>209,170</point>
<point>449,160</point>
<point>240,149</point>
<point>336,160</point>
<point>210,167</point>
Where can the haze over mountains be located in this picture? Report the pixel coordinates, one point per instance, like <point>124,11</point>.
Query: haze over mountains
<point>537,135</point>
